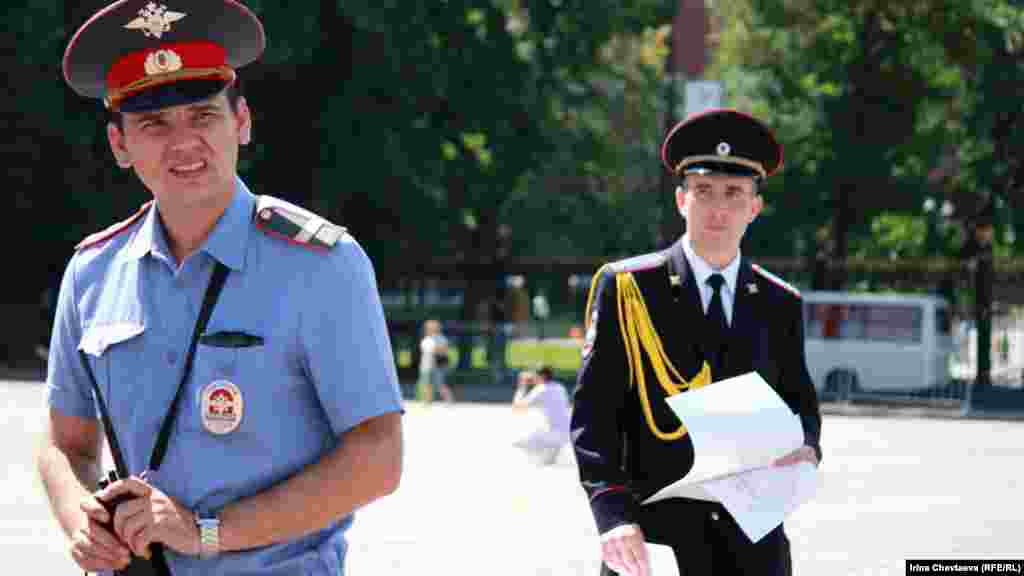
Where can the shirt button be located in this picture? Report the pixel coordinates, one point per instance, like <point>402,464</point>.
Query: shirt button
<point>172,356</point>
<point>714,516</point>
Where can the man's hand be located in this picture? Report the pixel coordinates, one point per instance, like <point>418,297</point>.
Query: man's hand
<point>151,516</point>
<point>93,547</point>
<point>801,454</point>
<point>623,550</point>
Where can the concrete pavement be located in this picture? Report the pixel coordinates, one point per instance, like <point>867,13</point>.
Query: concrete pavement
<point>892,489</point>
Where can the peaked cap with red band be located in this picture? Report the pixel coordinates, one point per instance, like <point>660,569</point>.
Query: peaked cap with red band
<point>143,54</point>
<point>721,141</point>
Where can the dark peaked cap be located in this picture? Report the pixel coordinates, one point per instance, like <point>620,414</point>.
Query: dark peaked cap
<point>132,46</point>
<point>721,141</point>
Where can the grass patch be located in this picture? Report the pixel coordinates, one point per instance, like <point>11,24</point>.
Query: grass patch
<point>518,354</point>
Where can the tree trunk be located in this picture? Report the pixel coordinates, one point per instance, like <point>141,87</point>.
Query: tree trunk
<point>842,220</point>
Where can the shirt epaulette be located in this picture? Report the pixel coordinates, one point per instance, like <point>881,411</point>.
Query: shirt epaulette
<point>112,230</point>
<point>638,263</point>
<point>295,224</point>
<point>776,280</point>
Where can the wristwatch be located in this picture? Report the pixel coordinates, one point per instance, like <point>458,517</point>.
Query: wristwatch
<point>209,534</point>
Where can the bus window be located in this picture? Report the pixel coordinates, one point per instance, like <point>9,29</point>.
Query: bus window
<point>873,322</point>
<point>878,338</point>
<point>824,321</point>
<point>892,323</point>
<point>854,322</point>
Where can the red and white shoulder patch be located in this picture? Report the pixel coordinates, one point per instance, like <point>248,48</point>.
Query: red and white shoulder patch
<point>295,224</point>
<point>776,280</point>
<point>113,230</point>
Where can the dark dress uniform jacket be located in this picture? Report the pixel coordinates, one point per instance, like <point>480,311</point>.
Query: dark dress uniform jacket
<point>621,461</point>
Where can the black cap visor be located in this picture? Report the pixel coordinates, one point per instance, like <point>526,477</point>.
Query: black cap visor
<point>173,94</point>
<point>725,168</point>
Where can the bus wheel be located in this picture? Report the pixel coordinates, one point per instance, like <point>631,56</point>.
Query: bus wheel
<point>842,383</point>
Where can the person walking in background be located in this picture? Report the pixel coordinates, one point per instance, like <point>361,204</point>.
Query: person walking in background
<point>537,390</point>
<point>434,363</point>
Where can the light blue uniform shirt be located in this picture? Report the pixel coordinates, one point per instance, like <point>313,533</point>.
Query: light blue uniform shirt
<point>324,366</point>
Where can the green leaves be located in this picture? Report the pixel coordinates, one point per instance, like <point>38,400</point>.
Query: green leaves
<point>869,98</point>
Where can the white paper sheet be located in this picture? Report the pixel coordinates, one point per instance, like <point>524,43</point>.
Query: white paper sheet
<point>661,560</point>
<point>739,427</point>
<point>759,500</point>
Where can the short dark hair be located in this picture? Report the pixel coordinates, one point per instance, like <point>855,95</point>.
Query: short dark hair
<point>545,372</point>
<point>233,92</point>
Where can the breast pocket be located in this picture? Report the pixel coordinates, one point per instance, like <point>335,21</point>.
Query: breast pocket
<point>111,345</point>
<point>228,393</point>
<point>99,337</point>
<point>117,353</point>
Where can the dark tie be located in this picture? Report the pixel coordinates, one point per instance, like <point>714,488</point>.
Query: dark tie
<point>717,326</point>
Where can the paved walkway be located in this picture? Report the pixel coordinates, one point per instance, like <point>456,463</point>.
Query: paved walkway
<point>892,489</point>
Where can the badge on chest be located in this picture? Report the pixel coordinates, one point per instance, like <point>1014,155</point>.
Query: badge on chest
<point>222,407</point>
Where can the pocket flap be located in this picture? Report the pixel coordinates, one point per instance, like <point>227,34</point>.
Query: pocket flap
<point>98,338</point>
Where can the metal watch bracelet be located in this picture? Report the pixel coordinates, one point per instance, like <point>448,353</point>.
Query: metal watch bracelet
<point>209,535</point>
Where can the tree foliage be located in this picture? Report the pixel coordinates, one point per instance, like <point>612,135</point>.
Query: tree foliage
<point>432,130</point>
<point>870,97</point>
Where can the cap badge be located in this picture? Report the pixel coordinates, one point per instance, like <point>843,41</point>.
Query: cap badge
<point>162,62</point>
<point>723,149</point>
<point>221,407</point>
<point>154,20</point>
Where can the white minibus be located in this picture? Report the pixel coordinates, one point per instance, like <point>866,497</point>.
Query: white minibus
<point>877,342</point>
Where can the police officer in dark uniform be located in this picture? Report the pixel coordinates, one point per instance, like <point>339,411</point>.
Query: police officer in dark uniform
<point>665,322</point>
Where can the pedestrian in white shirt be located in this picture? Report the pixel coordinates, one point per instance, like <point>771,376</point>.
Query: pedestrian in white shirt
<point>537,390</point>
<point>434,363</point>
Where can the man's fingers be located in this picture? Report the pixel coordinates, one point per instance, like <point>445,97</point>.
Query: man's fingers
<point>785,460</point>
<point>611,554</point>
<point>129,514</point>
<point>620,556</point>
<point>93,563</point>
<point>94,510</point>
<point>133,486</point>
<point>98,550</point>
<point>101,538</point>
<point>625,558</point>
<point>622,549</point>
<point>138,534</point>
<point>631,557</point>
<point>638,553</point>
<point>804,454</point>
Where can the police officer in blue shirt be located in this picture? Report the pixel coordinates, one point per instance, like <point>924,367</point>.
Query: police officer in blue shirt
<point>288,410</point>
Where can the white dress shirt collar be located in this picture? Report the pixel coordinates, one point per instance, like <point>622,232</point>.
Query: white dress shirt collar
<point>702,271</point>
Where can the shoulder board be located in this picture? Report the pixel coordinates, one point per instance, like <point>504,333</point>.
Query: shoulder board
<point>776,280</point>
<point>638,263</point>
<point>112,230</point>
<point>594,283</point>
<point>296,224</point>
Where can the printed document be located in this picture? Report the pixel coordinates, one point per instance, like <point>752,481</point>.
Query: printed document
<point>739,427</point>
<point>661,560</point>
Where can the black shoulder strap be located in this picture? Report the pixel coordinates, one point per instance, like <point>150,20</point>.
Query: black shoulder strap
<point>220,274</point>
<point>108,427</point>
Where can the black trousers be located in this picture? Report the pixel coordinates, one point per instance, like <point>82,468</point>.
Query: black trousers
<point>706,540</point>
